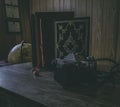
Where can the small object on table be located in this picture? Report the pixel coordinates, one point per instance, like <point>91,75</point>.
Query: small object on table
<point>36,71</point>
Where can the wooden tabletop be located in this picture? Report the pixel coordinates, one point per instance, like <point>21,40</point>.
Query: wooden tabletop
<point>19,79</point>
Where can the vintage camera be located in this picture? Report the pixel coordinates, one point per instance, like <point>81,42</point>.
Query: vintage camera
<point>75,73</point>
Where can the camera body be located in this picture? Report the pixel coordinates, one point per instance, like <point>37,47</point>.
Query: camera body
<point>75,74</point>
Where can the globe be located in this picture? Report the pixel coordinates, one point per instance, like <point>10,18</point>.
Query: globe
<point>20,53</point>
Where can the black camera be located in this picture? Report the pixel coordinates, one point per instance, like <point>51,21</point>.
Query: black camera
<point>73,73</point>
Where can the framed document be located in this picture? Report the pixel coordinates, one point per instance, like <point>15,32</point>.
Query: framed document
<point>14,26</point>
<point>11,2</point>
<point>12,11</point>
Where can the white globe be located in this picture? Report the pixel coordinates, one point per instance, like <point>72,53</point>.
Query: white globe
<point>15,55</point>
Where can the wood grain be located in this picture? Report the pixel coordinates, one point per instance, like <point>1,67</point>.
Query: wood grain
<point>89,13</point>
<point>109,29</point>
<point>50,5</point>
<point>104,18</point>
<point>96,28</point>
<point>56,5</point>
<point>118,38</point>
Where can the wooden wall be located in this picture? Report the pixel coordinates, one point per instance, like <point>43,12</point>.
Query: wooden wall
<point>118,38</point>
<point>7,41</point>
<point>104,26</point>
<point>25,15</point>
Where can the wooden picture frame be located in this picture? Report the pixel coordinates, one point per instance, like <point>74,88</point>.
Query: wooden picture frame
<point>12,2</point>
<point>71,36</point>
<point>12,11</point>
<point>13,17</point>
<point>13,27</point>
<point>43,32</point>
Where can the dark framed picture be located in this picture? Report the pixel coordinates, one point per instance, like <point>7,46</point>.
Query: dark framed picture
<point>12,11</point>
<point>11,2</point>
<point>13,26</point>
<point>13,19</point>
<point>71,36</point>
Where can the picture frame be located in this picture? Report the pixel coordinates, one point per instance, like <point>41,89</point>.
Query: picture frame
<point>71,36</point>
<point>13,26</point>
<point>13,16</point>
<point>12,2</point>
<point>12,11</point>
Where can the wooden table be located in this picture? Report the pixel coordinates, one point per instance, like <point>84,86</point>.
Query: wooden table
<point>19,88</point>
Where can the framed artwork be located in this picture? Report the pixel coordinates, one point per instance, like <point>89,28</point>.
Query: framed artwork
<point>42,31</point>
<point>12,10</point>
<point>11,2</point>
<point>13,27</point>
<point>72,36</point>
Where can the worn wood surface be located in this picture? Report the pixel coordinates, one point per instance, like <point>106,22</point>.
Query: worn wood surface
<point>7,41</point>
<point>18,79</point>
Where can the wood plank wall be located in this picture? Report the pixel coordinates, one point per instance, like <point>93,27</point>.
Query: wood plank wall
<point>104,26</point>
<point>7,41</point>
<point>25,15</point>
<point>118,38</point>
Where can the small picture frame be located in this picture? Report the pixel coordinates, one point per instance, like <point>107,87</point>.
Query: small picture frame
<point>13,16</point>
<point>12,12</point>
<point>13,26</point>
<point>11,2</point>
